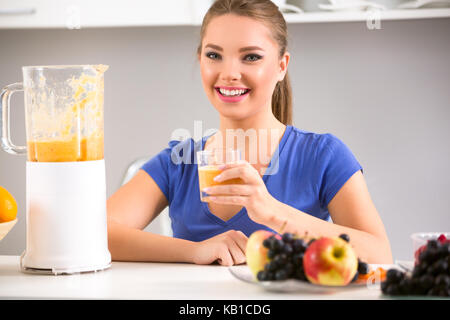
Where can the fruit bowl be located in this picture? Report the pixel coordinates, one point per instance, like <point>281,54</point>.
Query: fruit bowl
<point>5,227</point>
<point>420,240</point>
<point>244,274</point>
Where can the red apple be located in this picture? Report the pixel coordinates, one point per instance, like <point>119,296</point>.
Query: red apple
<point>330,261</point>
<point>255,252</point>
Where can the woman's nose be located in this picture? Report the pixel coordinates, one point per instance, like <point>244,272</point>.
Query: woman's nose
<point>230,71</point>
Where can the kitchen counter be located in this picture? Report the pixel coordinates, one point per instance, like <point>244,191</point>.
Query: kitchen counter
<point>139,280</point>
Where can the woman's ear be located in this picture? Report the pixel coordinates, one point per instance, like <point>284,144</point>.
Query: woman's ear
<point>284,61</point>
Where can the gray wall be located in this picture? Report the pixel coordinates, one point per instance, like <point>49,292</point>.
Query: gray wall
<point>385,93</point>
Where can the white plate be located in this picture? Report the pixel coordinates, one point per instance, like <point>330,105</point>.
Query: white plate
<point>243,273</point>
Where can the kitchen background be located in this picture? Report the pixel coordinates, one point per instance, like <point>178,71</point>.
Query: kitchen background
<point>384,92</point>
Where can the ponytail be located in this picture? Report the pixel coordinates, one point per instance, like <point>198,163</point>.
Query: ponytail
<point>282,101</point>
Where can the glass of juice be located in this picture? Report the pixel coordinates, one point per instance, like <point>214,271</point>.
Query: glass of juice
<point>209,162</point>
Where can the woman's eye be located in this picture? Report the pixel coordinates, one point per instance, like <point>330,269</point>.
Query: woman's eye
<point>213,55</point>
<point>252,57</point>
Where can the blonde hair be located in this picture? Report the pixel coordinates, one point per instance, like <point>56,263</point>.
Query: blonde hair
<point>267,12</point>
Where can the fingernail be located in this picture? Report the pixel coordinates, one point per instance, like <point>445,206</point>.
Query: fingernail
<point>221,167</point>
<point>217,178</point>
<point>206,190</point>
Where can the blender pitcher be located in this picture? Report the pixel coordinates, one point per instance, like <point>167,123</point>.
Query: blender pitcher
<point>65,168</point>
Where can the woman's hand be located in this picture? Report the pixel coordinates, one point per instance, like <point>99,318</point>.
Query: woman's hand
<point>252,194</point>
<point>227,249</point>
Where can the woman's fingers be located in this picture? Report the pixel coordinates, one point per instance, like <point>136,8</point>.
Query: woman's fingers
<point>241,239</point>
<point>240,189</point>
<point>224,257</point>
<point>236,252</point>
<point>233,251</point>
<point>242,170</point>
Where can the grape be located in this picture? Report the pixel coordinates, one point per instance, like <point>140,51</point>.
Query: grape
<point>288,237</point>
<point>363,268</point>
<point>266,243</point>
<point>442,281</point>
<point>432,244</point>
<point>287,248</point>
<point>426,282</point>
<point>297,259</point>
<point>394,276</point>
<point>289,267</point>
<point>276,245</point>
<point>281,274</point>
<point>430,276</point>
<point>262,276</point>
<point>271,254</point>
<point>405,285</point>
<point>298,245</point>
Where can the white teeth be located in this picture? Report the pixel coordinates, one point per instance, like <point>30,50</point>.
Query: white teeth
<point>232,92</point>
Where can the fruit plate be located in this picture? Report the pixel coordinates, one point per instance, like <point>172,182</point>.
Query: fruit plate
<point>243,273</point>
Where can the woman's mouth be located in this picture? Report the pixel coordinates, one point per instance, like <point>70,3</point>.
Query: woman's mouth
<point>232,94</point>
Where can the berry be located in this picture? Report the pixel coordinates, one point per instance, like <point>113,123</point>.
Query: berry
<point>262,276</point>
<point>432,244</point>
<point>311,241</point>
<point>442,238</point>
<point>298,245</point>
<point>393,276</point>
<point>281,274</point>
<point>276,245</point>
<point>392,289</point>
<point>297,259</point>
<point>289,267</point>
<point>405,286</point>
<point>426,282</point>
<point>287,248</point>
<point>271,254</point>
<point>442,281</point>
<point>288,237</point>
<point>363,268</point>
<point>345,237</point>
<point>266,243</point>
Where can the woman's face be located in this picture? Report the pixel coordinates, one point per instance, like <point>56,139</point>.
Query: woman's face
<point>240,66</point>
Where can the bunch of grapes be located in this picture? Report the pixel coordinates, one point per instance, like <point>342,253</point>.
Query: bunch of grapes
<point>286,258</point>
<point>430,276</point>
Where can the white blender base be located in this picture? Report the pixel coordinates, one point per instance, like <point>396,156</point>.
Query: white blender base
<point>66,218</point>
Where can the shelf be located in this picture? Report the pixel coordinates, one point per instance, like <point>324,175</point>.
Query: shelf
<point>347,16</point>
<point>68,14</point>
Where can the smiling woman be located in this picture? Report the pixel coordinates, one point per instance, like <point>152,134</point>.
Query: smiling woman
<point>309,177</point>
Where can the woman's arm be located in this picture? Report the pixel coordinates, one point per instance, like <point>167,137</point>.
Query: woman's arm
<point>353,213</point>
<point>129,210</point>
<point>351,209</point>
<point>135,205</point>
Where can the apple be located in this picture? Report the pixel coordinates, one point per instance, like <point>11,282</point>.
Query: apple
<point>330,261</point>
<point>255,252</point>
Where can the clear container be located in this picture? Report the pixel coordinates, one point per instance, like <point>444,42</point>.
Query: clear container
<point>209,162</point>
<point>421,238</point>
<point>63,113</point>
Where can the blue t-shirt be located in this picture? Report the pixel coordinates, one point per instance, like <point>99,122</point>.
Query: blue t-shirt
<point>306,172</point>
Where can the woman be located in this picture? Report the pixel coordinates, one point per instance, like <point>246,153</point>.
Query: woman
<point>311,177</point>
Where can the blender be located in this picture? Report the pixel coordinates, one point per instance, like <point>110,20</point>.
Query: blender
<point>66,229</point>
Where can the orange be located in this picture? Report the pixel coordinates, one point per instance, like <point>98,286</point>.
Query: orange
<point>8,206</point>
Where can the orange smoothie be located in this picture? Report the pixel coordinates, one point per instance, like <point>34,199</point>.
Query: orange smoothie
<point>74,149</point>
<point>206,176</point>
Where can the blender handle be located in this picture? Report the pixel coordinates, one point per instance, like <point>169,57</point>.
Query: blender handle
<point>5,97</point>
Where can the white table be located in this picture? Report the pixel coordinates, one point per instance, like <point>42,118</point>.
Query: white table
<point>162,281</point>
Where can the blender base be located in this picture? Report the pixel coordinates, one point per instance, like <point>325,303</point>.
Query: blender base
<point>66,218</point>
<point>61,271</point>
